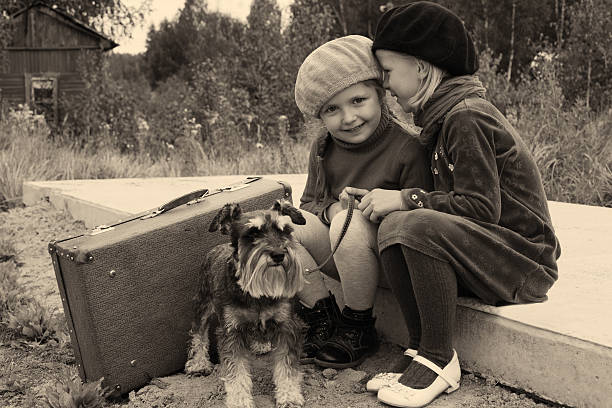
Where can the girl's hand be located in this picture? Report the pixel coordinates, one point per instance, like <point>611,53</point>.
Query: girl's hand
<point>378,203</point>
<point>357,192</point>
<point>335,208</point>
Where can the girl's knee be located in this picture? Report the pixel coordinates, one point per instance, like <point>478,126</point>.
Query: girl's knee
<point>417,223</point>
<point>361,231</point>
<point>312,230</point>
<point>359,224</point>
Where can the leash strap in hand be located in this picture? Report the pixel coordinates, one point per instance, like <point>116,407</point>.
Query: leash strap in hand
<point>347,221</point>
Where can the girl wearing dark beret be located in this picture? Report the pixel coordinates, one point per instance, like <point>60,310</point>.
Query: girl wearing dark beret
<point>483,231</point>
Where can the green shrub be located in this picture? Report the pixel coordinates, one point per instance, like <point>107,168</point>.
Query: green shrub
<point>72,393</point>
<point>24,316</point>
<point>35,322</point>
<point>11,293</point>
<point>103,115</point>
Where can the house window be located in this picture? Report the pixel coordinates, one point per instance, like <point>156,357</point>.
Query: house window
<point>43,90</point>
<point>41,95</point>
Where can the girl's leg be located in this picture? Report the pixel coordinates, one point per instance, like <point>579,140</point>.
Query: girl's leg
<point>314,247</point>
<point>317,307</point>
<point>356,259</point>
<point>435,292</point>
<point>314,288</point>
<point>358,267</point>
<point>397,275</point>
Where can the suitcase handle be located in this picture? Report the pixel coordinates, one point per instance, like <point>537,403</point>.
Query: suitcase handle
<point>182,200</point>
<point>198,195</point>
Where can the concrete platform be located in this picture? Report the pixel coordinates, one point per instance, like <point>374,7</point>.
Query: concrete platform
<point>560,350</point>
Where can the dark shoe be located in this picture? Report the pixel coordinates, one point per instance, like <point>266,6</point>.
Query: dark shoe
<point>354,340</point>
<point>321,322</point>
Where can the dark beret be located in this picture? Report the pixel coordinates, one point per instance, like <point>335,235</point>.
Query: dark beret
<point>431,32</point>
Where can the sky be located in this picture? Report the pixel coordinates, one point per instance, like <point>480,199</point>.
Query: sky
<point>161,9</point>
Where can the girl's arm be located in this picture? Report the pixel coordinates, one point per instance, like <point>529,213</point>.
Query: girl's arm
<point>415,172</point>
<point>469,139</point>
<point>308,202</point>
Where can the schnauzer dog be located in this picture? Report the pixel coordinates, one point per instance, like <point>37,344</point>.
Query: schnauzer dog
<point>247,290</point>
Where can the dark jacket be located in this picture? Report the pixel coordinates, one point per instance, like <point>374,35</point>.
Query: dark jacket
<point>498,234</point>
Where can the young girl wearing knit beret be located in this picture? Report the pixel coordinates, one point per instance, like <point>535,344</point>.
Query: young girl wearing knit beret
<point>483,231</point>
<point>361,145</point>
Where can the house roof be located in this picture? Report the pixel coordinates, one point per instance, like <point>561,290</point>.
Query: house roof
<point>72,19</point>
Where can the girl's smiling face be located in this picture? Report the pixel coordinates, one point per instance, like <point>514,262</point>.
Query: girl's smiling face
<point>402,76</point>
<point>353,114</point>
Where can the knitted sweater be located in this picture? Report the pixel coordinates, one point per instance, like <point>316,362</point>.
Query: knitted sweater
<point>390,159</point>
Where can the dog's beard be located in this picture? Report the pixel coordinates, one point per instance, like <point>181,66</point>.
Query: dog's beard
<point>261,278</point>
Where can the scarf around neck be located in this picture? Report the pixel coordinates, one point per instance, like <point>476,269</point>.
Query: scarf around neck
<point>449,92</point>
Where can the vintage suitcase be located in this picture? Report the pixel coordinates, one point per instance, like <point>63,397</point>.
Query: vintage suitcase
<point>127,288</point>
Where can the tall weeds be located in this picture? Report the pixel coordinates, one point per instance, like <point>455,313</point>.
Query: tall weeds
<point>572,145</point>
<point>27,152</point>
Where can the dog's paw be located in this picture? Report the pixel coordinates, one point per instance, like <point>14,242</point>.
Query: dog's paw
<point>289,399</point>
<point>198,367</point>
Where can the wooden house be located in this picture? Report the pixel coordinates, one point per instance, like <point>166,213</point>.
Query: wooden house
<point>43,57</point>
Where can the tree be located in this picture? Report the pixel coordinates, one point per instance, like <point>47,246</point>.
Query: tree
<point>197,35</point>
<point>166,52</point>
<point>514,29</point>
<point>262,73</point>
<point>586,53</point>
<point>359,16</point>
<point>113,17</point>
<point>311,24</point>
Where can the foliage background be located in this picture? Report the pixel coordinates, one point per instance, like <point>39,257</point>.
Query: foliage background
<point>214,95</point>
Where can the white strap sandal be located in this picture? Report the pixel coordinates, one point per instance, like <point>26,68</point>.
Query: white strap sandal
<point>399,395</point>
<point>385,379</point>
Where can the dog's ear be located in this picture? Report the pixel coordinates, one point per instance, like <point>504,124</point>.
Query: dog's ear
<point>224,218</point>
<point>284,207</point>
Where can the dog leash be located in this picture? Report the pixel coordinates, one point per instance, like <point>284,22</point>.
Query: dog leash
<point>347,221</point>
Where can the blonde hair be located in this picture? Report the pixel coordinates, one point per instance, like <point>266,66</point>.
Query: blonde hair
<point>431,80</point>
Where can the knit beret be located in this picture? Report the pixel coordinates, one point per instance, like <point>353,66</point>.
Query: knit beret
<point>331,68</point>
<point>430,32</point>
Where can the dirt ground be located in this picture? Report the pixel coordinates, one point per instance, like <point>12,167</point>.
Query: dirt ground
<point>27,369</point>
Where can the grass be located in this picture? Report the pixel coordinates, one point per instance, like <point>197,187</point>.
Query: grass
<point>573,150</point>
<point>28,153</point>
<point>572,147</point>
